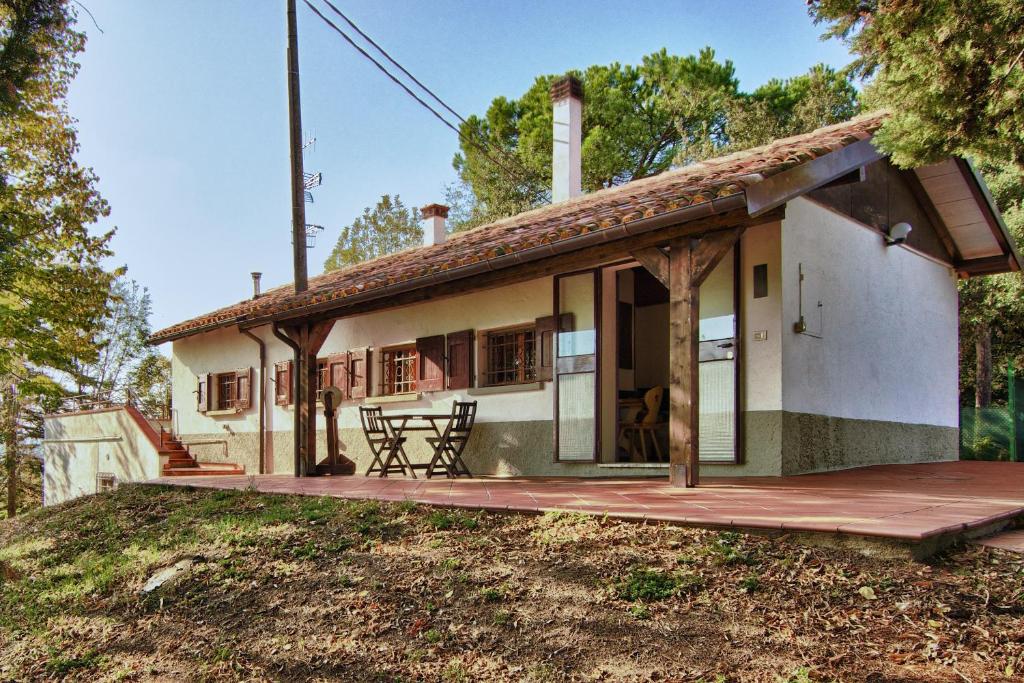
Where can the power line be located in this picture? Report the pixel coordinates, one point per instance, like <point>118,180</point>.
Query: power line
<point>504,154</point>
<point>483,150</point>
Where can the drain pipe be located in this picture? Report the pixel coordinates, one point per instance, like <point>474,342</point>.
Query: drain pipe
<point>263,396</point>
<point>295,389</point>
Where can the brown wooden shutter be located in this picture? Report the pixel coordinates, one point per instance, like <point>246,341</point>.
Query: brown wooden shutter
<point>545,337</point>
<point>430,352</point>
<point>460,359</point>
<point>338,373</point>
<point>203,394</point>
<point>282,383</point>
<point>243,388</point>
<point>359,373</point>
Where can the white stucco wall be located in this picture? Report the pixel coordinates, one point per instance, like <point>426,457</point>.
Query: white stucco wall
<point>887,324</point>
<point>78,446</point>
<point>762,360</point>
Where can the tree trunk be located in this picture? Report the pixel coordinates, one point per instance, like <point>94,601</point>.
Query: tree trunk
<point>9,438</point>
<point>983,367</point>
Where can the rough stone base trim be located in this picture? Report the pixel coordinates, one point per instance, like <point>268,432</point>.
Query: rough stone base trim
<point>820,443</point>
<point>775,443</point>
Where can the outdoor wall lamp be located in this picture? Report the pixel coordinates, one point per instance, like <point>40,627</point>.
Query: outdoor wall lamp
<point>898,234</point>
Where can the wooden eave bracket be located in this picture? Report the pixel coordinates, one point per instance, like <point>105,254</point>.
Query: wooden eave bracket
<point>655,261</point>
<point>782,187</point>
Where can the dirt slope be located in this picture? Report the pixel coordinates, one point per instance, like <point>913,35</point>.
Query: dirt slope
<point>295,588</point>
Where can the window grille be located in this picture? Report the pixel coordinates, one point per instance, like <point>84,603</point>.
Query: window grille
<point>399,370</point>
<point>105,482</point>
<point>511,357</point>
<point>226,394</point>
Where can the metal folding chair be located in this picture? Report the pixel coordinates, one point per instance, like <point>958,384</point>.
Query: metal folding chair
<point>384,447</point>
<point>449,446</point>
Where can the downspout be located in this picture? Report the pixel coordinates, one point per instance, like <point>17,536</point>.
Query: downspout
<point>263,395</point>
<point>295,389</point>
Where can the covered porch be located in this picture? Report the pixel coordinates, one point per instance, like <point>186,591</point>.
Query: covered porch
<point>903,503</point>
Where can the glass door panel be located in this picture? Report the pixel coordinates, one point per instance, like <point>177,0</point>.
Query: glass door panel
<point>576,421</point>
<point>717,366</point>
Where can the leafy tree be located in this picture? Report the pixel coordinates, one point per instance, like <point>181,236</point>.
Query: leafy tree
<point>992,307</point>
<point>150,384</point>
<point>637,121</point>
<point>951,72</point>
<point>120,338</point>
<point>30,27</point>
<point>383,229</point>
<point>780,108</point>
<point>53,289</point>
<point>634,123</point>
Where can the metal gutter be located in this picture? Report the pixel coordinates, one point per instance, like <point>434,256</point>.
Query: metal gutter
<point>263,395</point>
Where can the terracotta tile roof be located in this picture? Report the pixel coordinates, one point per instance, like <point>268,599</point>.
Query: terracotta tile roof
<point>645,198</point>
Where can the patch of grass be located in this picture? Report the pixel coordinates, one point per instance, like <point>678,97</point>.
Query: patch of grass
<point>801,675</point>
<point>450,564</point>
<point>502,617</point>
<point>455,673</point>
<point>492,594</point>
<point>433,636</point>
<point>726,550</point>
<point>750,584</point>
<point>558,528</point>
<point>650,585</point>
<point>64,665</point>
<point>640,611</point>
<point>443,520</point>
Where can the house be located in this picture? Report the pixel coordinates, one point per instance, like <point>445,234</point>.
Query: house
<point>797,302</point>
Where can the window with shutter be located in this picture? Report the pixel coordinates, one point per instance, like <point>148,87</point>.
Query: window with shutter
<point>283,383</point>
<point>338,373</point>
<point>460,360</point>
<point>431,363</point>
<point>203,394</point>
<point>243,388</point>
<point>545,336</point>
<point>359,373</point>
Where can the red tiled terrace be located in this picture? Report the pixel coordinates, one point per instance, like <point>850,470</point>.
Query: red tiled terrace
<point>906,503</point>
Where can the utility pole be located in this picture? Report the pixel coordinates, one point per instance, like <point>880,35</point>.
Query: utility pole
<point>295,147</point>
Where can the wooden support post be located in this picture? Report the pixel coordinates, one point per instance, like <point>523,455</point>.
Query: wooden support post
<point>309,337</point>
<point>690,263</point>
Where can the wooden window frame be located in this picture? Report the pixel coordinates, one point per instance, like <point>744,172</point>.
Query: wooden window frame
<point>524,375</point>
<point>221,381</point>
<point>387,356</point>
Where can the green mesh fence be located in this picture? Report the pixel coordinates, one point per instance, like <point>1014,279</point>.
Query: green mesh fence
<point>996,432</point>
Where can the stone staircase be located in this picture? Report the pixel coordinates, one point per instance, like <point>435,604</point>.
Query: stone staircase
<point>180,462</point>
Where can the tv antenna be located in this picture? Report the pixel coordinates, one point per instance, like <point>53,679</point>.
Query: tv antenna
<point>311,181</point>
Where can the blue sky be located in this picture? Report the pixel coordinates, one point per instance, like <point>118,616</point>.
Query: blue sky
<point>183,115</point>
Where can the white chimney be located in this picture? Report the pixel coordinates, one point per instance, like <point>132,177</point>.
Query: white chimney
<point>567,139</point>
<point>433,224</point>
<point>256,285</point>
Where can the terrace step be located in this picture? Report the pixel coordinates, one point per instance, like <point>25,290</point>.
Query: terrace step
<point>202,469</point>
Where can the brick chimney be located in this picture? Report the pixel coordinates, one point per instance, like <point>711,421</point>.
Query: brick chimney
<point>433,224</point>
<point>567,139</point>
